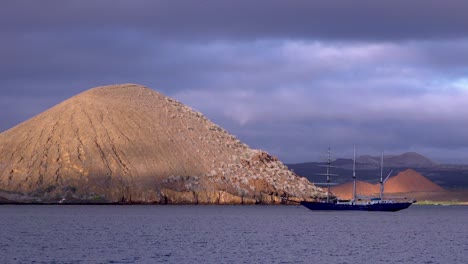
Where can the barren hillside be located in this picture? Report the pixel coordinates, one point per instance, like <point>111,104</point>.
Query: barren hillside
<point>130,143</point>
<point>408,181</point>
<point>345,191</point>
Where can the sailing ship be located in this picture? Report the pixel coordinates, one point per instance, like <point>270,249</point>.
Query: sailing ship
<point>357,203</point>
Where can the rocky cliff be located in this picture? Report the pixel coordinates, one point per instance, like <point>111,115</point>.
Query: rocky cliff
<point>130,143</point>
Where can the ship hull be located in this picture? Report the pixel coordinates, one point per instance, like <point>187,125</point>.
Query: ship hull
<point>387,207</point>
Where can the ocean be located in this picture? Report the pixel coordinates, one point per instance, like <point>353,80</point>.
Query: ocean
<point>230,234</point>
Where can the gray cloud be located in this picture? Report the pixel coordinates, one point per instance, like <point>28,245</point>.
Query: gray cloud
<point>288,78</point>
<point>361,19</point>
<point>391,100</point>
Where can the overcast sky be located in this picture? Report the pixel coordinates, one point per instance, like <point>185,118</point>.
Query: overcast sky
<point>289,77</point>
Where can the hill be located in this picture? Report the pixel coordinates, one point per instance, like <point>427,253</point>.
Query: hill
<point>410,181</point>
<point>407,182</point>
<point>345,190</point>
<point>132,144</point>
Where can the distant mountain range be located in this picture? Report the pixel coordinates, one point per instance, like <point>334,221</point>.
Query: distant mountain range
<point>406,159</point>
<point>411,159</point>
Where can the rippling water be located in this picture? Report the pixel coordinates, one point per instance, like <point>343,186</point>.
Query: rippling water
<point>230,234</point>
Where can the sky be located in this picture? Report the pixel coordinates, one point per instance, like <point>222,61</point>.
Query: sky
<point>289,77</point>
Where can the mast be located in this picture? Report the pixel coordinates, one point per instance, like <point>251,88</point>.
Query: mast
<point>381,177</point>
<point>328,175</point>
<point>354,174</point>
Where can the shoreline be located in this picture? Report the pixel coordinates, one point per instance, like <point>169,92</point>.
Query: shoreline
<point>290,203</point>
<point>419,203</point>
<point>441,203</point>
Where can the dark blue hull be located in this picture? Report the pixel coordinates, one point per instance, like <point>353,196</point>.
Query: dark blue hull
<point>389,207</point>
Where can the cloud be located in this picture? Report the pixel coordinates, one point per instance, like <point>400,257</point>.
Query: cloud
<point>288,78</point>
<point>383,95</point>
<point>323,76</point>
<point>259,19</point>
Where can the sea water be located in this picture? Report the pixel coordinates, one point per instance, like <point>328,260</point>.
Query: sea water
<point>230,234</point>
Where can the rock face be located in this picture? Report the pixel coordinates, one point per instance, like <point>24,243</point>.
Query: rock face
<point>130,143</point>
<point>408,181</point>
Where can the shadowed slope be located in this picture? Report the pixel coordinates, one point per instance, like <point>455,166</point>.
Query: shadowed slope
<point>132,143</point>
